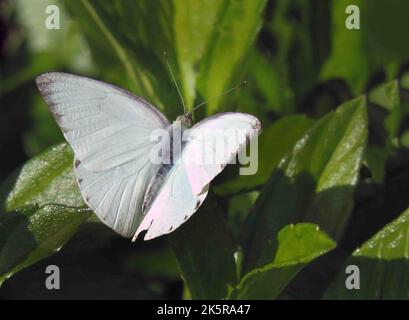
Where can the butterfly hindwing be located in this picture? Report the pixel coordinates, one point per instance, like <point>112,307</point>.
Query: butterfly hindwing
<point>186,186</point>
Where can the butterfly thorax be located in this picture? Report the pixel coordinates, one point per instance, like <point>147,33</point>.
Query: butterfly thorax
<point>186,120</point>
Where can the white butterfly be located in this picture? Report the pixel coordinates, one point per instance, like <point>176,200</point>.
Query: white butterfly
<point>109,130</point>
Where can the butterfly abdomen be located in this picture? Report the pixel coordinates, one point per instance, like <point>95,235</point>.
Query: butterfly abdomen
<point>157,181</point>
<point>154,186</point>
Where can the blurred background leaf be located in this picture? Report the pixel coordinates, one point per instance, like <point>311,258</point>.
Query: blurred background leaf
<point>113,29</point>
<point>377,45</point>
<point>234,31</point>
<point>383,142</point>
<point>194,25</point>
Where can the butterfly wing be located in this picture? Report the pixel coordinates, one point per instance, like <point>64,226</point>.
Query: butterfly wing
<point>109,130</point>
<point>186,185</point>
<point>216,142</point>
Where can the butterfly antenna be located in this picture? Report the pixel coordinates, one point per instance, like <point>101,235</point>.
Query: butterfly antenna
<point>220,95</point>
<point>165,56</point>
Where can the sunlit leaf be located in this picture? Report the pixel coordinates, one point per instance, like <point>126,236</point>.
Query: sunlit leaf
<point>46,179</point>
<point>314,184</point>
<point>42,209</point>
<point>382,262</point>
<point>297,246</point>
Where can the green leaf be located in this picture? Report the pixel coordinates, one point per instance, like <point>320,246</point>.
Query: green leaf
<point>49,49</point>
<point>153,263</point>
<point>270,82</point>
<point>42,208</point>
<point>235,30</point>
<point>348,64</point>
<point>404,81</point>
<point>194,22</point>
<point>274,143</point>
<point>315,183</point>
<point>404,139</point>
<point>45,131</point>
<point>356,54</point>
<point>127,42</point>
<point>31,15</point>
<point>375,159</point>
<point>63,49</point>
<point>34,233</point>
<point>46,179</point>
<point>297,246</point>
<point>239,207</point>
<point>205,41</point>
<point>387,97</point>
<point>205,253</point>
<point>383,263</point>
<point>269,73</point>
<point>390,243</point>
<point>301,243</point>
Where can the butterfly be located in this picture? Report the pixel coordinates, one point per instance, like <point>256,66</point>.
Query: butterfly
<point>109,130</point>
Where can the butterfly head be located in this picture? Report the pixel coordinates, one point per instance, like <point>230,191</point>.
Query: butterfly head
<point>186,120</point>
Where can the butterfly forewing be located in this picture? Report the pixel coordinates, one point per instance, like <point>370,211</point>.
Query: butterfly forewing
<point>109,131</point>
